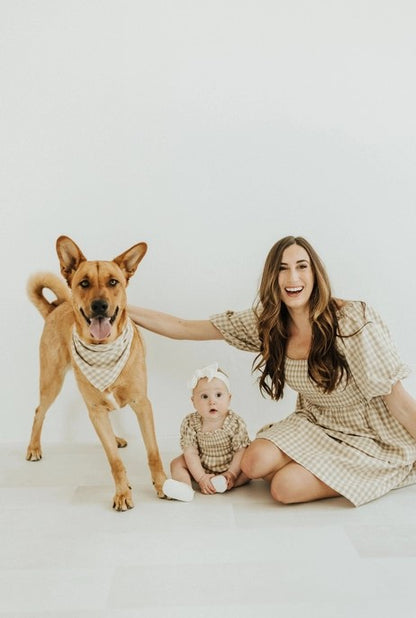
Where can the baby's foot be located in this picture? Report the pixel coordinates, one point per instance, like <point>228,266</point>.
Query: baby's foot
<point>220,483</point>
<point>177,490</point>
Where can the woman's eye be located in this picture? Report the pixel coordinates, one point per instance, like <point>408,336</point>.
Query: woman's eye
<point>85,283</point>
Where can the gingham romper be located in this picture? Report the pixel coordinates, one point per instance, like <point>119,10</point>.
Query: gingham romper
<point>217,448</point>
<point>347,438</point>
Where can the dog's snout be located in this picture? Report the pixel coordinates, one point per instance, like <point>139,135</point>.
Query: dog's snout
<point>99,306</point>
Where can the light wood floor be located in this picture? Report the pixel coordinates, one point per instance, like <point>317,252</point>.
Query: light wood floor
<point>66,554</point>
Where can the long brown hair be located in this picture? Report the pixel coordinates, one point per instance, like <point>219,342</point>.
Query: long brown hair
<point>326,365</point>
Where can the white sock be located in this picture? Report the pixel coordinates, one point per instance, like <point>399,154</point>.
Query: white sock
<point>220,483</point>
<point>178,490</point>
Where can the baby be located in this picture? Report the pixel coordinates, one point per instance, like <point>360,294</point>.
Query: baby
<point>213,440</point>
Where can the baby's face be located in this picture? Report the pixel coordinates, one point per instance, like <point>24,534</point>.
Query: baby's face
<point>211,399</point>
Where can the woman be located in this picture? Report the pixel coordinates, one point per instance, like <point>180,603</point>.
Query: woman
<point>354,429</point>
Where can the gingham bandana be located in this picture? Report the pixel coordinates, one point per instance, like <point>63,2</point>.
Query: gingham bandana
<point>102,364</point>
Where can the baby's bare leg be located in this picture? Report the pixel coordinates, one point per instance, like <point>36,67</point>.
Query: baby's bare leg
<point>179,487</point>
<point>242,479</point>
<point>179,470</point>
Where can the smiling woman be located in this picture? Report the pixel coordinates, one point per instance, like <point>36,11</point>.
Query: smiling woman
<point>297,317</point>
<point>354,429</point>
<point>296,276</point>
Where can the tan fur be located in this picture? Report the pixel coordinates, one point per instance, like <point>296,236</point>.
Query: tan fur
<point>37,283</point>
<point>75,307</point>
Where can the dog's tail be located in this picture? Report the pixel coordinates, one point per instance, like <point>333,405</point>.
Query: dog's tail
<point>38,283</point>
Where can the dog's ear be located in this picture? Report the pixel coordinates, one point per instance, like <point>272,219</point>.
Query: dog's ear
<point>70,257</point>
<point>130,259</point>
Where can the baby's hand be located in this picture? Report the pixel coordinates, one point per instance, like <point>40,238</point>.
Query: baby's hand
<point>205,484</point>
<point>230,478</point>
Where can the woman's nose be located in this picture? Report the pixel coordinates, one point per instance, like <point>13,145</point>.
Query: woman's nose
<point>293,275</point>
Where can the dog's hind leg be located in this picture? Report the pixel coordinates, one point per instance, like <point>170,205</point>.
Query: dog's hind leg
<point>51,380</point>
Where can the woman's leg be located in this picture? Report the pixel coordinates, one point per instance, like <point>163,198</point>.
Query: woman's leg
<point>289,481</point>
<point>262,459</point>
<point>293,483</point>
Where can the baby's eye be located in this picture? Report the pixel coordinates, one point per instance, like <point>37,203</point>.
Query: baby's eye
<point>204,396</point>
<point>219,395</point>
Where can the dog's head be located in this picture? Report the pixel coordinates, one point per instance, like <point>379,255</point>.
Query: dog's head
<point>98,289</point>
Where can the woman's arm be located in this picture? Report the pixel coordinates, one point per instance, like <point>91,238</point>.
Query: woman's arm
<point>402,406</point>
<point>173,327</point>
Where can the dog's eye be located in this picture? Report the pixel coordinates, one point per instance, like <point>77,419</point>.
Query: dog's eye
<point>112,283</point>
<point>85,283</point>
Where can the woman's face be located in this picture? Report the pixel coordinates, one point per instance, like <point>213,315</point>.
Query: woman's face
<point>296,278</point>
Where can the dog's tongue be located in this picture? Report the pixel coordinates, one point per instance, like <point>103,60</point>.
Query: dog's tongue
<point>100,328</point>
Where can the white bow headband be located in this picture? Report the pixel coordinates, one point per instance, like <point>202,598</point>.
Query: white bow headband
<point>210,372</point>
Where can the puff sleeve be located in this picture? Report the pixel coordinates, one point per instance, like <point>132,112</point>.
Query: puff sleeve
<point>188,435</point>
<point>369,350</point>
<point>239,435</point>
<point>239,329</point>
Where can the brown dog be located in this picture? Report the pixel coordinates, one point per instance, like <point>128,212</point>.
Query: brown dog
<point>91,330</point>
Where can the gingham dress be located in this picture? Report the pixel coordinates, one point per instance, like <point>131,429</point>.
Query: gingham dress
<point>217,448</point>
<point>346,438</point>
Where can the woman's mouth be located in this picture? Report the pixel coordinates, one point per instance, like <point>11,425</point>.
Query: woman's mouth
<point>295,291</point>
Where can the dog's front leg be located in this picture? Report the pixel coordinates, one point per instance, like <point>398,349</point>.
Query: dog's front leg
<point>99,417</point>
<point>143,409</point>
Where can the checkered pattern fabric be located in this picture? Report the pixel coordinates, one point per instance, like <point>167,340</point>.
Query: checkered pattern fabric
<point>346,438</point>
<point>216,448</point>
<point>102,364</point>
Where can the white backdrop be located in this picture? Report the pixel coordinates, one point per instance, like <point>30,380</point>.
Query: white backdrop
<point>209,129</point>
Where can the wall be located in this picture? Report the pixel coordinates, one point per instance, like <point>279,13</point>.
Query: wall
<point>209,130</point>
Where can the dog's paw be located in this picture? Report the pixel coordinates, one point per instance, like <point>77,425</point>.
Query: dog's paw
<point>33,454</point>
<point>123,501</point>
<point>159,488</point>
